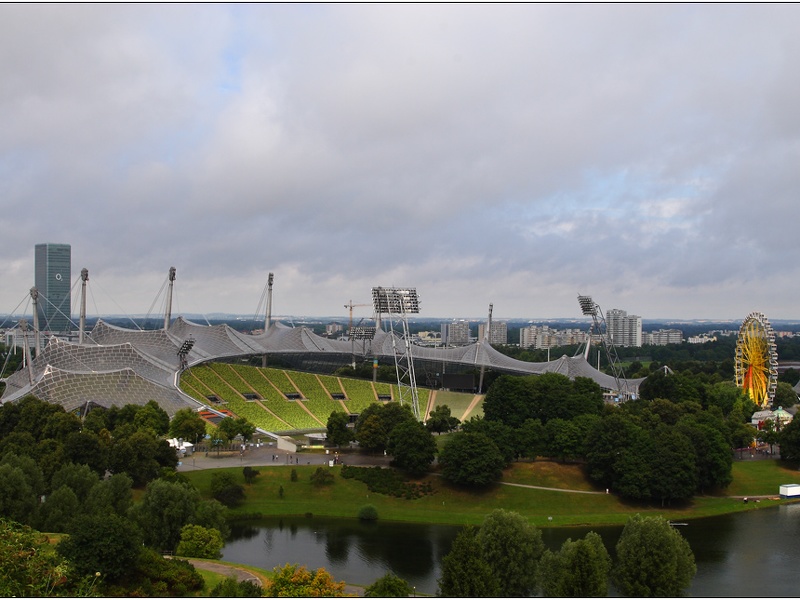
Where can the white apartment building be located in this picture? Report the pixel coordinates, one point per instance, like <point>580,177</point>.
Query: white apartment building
<point>542,336</point>
<point>624,330</point>
<point>662,337</point>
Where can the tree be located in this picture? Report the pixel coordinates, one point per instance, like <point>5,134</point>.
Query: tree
<point>512,546</point>
<point>673,467</point>
<point>151,416</point>
<point>440,420</point>
<point>163,511</point>
<point>199,542</point>
<point>225,489</point>
<point>245,428</point>
<point>339,434</point>
<point>110,495</point>
<point>249,474</point>
<point>789,440</point>
<point>321,477</point>
<point>505,437</point>
<point>108,544</point>
<point>413,448</point>
<point>471,459</point>
<point>388,586</point>
<point>371,434</point>
<point>188,425</point>
<point>227,429</point>
<point>18,502</point>
<point>465,573</point>
<point>80,478</point>
<point>58,510</point>
<point>580,569</point>
<point>653,559</point>
<point>291,581</point>
<point>785,396</point>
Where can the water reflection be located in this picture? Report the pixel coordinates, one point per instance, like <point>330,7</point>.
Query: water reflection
<point>753,553</point>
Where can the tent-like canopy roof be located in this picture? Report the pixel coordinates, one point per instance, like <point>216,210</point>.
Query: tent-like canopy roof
<point>118,366</point>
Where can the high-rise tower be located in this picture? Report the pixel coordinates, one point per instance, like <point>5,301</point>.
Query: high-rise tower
<point>53,274</point>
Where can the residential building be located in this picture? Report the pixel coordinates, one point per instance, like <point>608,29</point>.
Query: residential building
<point>497,335</point>
<point>455,333</point>
<point>624,330</point>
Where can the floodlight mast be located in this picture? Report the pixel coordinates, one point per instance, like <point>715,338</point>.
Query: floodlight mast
<point>398,303</point>
<point>592,309</point>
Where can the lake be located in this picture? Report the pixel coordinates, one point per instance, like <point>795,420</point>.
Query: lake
<point>748,554</point>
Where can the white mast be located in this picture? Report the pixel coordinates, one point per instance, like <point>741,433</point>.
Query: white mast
<point>268,317</point>
<point>37,340</point>
<point>168,313</point>
<point>82,326</point>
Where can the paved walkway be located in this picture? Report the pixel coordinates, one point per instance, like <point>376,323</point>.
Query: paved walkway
<point>270,456</point>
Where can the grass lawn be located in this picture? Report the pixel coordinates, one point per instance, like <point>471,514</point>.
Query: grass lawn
<point>449,505</point>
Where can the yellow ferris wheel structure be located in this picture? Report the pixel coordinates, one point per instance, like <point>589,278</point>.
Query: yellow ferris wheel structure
<point>756,364</point>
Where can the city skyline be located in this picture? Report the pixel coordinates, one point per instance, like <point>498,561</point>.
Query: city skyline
<point>518,155</point>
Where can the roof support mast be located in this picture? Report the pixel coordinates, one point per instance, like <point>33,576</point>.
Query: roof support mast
<point>82,326</point>
<point>36,336</point>
<point>268,316</point>
<point>486,337</point>
<point>168,313</point>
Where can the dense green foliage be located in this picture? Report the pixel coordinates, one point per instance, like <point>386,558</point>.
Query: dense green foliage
<point>388,586</point>
<point>498,559</point>
<point>412,447</point>
<point>653,559</point>
<point>200,542</point>
<point>386,481</point>
<point>580,569</point>
<point>471,460</point>
<point>231,588</point>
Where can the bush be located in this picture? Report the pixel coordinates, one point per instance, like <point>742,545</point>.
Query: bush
<point>368,513</point>
<point>225,489</point>
<point>230,588</point>
<point>389,586</point>
<point>249,474</point>
<point>322,476</point>
<point>387,481</point>
<point>293,476</point>
<point>200,542</point>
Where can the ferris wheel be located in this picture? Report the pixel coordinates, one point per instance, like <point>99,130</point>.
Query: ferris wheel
<point>756,365</point>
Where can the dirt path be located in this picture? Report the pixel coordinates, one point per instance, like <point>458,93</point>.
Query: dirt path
<point>240,573</point>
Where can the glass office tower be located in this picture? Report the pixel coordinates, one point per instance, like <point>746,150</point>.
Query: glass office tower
<point>53,274</point>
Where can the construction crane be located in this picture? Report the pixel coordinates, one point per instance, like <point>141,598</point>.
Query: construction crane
<point>351,306</point>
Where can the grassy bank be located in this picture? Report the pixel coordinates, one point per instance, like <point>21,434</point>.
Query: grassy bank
<point>449,505</point>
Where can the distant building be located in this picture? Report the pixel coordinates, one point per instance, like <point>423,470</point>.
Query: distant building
<point>52,277</point>
<point>624,330</point>
<point>662,337</point>
<point>332,329</point>
<point>498,333</point>
<point>455,333</point>
<point>542,336</point>
<point>701,339</point>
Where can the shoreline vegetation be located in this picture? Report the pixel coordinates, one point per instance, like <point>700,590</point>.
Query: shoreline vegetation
<point>520,490</point>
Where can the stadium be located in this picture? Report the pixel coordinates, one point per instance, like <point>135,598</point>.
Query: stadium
<point>206,367</point>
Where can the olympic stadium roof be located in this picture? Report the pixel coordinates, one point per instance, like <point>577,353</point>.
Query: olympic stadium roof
<point>118,366</point>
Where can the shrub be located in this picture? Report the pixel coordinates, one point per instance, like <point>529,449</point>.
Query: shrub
<point>387,481</point>
<point>368,513</point>
<point>322,476</point>
<point>293,476</point>
<point>225,489</point>
<point>200,542</point>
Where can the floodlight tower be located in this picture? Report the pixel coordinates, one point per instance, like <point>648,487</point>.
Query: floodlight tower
<point>397,304</point>
<point>591,309</point>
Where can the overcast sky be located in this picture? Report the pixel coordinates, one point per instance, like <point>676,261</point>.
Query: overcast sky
<point>520,155</point>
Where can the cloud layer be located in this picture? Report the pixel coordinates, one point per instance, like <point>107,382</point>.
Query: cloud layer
<point>515,154</point>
